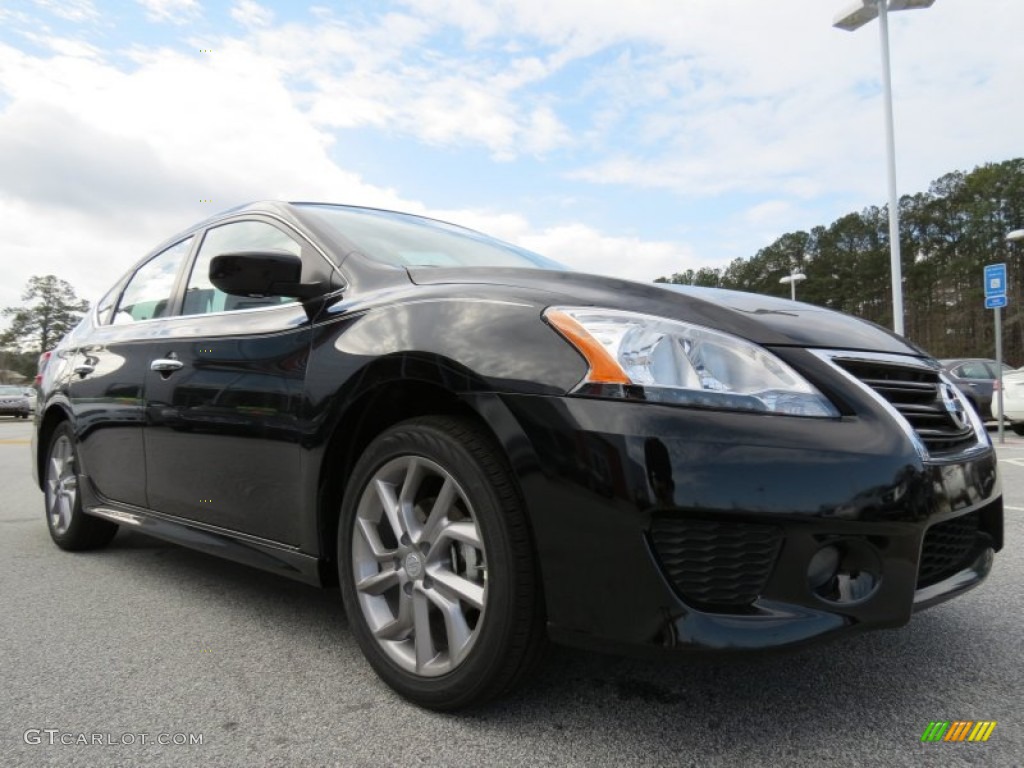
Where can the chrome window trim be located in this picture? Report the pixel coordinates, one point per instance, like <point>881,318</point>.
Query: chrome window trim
<point>982,442</point>
<point>209,224</point>
<point>290,304</point>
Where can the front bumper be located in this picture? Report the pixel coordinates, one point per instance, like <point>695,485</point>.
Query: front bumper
<point>604,480</point>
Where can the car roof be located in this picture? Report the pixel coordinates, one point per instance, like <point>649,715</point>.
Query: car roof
<point>284,209</point>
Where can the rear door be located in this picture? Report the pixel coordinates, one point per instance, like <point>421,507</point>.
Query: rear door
<point>109,371</point>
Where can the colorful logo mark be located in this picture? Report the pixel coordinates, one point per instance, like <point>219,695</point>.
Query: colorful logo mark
<point>958,730</point>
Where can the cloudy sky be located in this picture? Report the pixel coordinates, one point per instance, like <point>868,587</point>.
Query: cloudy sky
<point>634,139</point>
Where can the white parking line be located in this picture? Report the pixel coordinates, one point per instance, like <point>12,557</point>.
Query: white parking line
<point>1016,462</point>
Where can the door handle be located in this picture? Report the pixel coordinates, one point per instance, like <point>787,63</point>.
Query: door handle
<point>165,365</point>
<point>84,369</point>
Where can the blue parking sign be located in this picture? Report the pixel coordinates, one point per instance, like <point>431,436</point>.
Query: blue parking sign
<point>995,280</point>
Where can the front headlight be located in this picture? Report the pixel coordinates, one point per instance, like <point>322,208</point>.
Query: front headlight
<point>643,357</point>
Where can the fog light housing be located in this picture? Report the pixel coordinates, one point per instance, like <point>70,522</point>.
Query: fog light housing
<point>824,566</point>
<point>846,571</point>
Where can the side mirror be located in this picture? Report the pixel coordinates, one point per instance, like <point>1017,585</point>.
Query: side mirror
<point>262,273</point>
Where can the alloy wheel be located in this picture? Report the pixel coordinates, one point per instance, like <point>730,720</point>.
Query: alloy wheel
<point>61,485</point>
<point>420,566</point>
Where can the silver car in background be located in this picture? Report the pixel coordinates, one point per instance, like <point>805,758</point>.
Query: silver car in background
<point>16,400</point>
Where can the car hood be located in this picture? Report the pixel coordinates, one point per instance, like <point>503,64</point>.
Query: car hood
<point>765,320</point>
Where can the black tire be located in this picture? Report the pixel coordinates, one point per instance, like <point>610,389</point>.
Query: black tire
<point>509,630</point>
<point>70,528</point>
<point>1018,427</point>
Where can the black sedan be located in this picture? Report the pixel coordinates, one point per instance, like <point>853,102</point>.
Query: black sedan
<point>487,450</point>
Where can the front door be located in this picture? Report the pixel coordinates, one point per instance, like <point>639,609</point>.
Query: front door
<point>224,401</point>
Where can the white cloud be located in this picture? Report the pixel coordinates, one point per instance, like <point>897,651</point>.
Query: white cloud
<point>86,249</point>
<point>697,101</point>
<point>713,98</point>
<point>387,75</point>
<point>71,10</point>
<point>108,163</point>
<point>171,11</point>
<point>55,159</point>
<point>65,46</point>
<point>589,250</point>
<point>251,14</point>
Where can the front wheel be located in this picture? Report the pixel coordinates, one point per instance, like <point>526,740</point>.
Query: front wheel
<point>70,527</point>
<point>436,565</point>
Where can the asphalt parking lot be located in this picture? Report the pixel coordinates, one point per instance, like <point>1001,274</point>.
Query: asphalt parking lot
<point>149,639</point>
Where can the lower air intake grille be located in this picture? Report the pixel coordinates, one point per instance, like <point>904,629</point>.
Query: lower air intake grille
<point>716,565</point>
<point>917,393</point>
<point>947,548</point>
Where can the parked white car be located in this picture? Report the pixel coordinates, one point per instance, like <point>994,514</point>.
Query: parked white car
<point>1013,400</point>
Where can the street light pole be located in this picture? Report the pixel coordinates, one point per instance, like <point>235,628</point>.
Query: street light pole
<point>851,20</point>
<point>896,264</point>
<point>793,278</point>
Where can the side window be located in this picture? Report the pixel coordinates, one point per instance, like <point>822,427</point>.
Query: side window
<point>973,371</point>
<point>993,370</point>
<point>201,297</point>
<point>148,294</point>
<point>105,307</point>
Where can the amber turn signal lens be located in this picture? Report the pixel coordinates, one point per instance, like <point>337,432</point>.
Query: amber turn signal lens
<point>603,367</point>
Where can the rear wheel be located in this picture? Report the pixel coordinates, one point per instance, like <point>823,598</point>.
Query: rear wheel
<point>436,567</point>
<point>1018,427</point>
<point>70,527</point>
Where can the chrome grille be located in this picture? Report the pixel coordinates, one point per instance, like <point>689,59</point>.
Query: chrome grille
<point>915,392</point>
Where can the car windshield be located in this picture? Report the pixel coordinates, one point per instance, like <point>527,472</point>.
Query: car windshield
<point>403,240</point>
